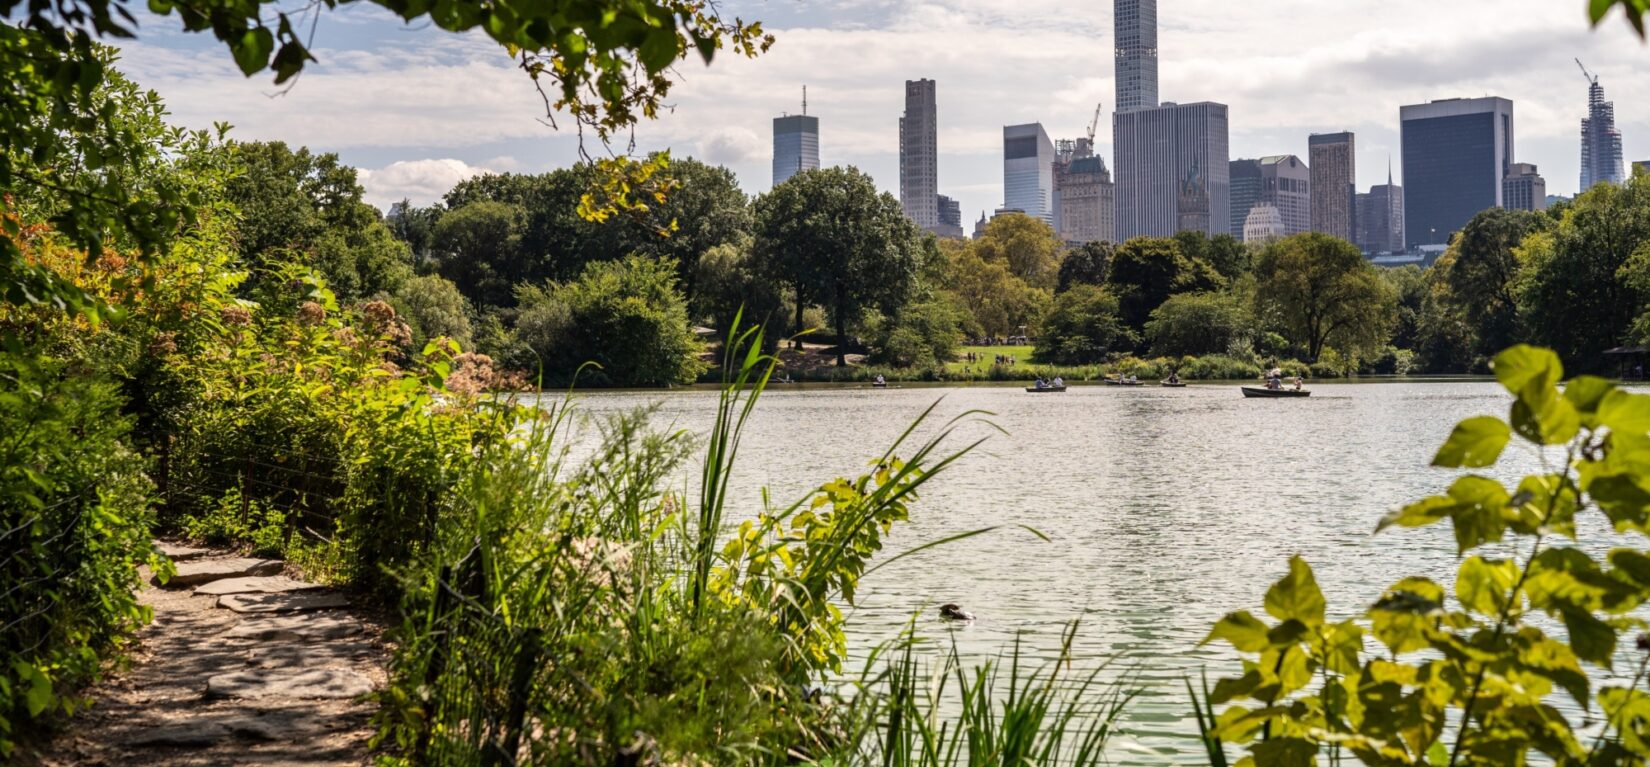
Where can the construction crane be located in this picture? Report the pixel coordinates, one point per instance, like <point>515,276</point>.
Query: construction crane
<point>1095,123</point>
<point>1591,78</point>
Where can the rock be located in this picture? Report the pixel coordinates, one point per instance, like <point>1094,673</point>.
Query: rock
<point>184,735</point>
<point>287,683</point>
<point>207,570</point>
<point>282,603</point>
<point>258,584</point>
<point>289,627</point>
<point>178,552</point>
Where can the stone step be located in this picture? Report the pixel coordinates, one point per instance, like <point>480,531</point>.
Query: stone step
<point>282,603</point>
<point>289,683</point>
<point>196,572</point>
<point>258,584</point>
<point>311,626</point>
<point>178,552</point>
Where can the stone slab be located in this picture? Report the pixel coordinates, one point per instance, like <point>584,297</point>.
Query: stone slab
<point>201,734</point>
<point>194,573</point>
<point>289,683</point>
<point>178,552</point>
<point>257,584</point>
<point>283,603</point>
<point>302,626</point>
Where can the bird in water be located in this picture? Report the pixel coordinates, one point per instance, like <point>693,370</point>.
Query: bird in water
<point>955,613</point>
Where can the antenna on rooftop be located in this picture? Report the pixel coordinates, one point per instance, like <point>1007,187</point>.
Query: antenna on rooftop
<point>804,99</point>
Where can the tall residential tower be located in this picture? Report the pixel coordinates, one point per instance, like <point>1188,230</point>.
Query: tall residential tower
<point>1333,157</point>
<point>1456,152</point>
<point>919,160</point>
<point>1136,29</point>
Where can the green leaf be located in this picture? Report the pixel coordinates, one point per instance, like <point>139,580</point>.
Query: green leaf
<point>1592,639</point>
<point>1586,392</point>
<point>1243,630</point>
<point>1484,585</point>
<point>1419,514</point>
<point>1286,752</point>
<point>1403,615</point>
<point>1545,420</point>
<point>659,49</point>
<point>1296,595</point>
<point>1622,499</point>
<point>1524,368</point>
<point>1475,443</point>
<point>1478,513</point>
<point>252,49</point>
<point>1625,412</point>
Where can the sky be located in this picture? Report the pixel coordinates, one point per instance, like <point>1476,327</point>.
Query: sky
<point>418,109</point>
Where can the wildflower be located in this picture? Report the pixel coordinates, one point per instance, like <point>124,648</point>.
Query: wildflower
<point>311,313</point>
<point>236,316</point>
<point>164,344</point>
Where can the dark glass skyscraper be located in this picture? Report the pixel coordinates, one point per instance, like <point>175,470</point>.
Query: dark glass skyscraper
<point>1455,154</point>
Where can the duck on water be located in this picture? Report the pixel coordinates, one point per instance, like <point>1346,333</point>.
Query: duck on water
<point>952,612</point>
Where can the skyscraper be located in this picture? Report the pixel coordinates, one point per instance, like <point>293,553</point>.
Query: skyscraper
<point>950,218</point>
<point>1171,167</point>
<point>795,146</point>
<point>1380,217</point>
<point>1334,160</point>
<point>1455,154</point>
<point>1084,195</point>
<point>1262,223</point>
<point>1136,31</point>
<point>919,159</point>
<point>1600,141</point>
<point>1524,188</point>
<point>1280,181</point>
<point>1028,171</point>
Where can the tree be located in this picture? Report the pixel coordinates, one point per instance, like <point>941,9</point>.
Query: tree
<point>705,209</point>
<point>433,307</point>
<point>1000,303</point>
<point>478,248</point>
<point>1412,289</point>
<point>1197,323</point>
<point>1029,247</point>
<point>1145,271</point>
<point>728,284</point>
<point>837,242</point>
<point>1582,285</point>
<point>1481,272</point>
<point>626,316</point>
<point>1085,265</point>
<point>923,334</point>
<point>1225,253</point>
<point>1082,327</point>
<point>1324,294</point>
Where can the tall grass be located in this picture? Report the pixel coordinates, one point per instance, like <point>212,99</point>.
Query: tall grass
<point>579,613</point>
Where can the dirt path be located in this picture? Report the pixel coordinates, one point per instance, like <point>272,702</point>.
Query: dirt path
<point>241,666</point>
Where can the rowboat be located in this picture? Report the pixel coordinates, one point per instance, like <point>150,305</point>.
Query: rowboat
<point>1261,391</point>
<point>1120,382</point>
<point>1172,384</point>
<point>1045,389</point>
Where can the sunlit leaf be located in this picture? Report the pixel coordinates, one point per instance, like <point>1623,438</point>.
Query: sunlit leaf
<point>1474,443</point>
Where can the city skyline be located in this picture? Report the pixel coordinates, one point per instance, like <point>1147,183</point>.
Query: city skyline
<point>368,96</point>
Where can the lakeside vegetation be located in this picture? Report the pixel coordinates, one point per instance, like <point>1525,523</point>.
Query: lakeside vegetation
<point>218,338</point>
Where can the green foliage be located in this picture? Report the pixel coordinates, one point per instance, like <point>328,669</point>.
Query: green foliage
<point>478,248</point>
<point>434,308</point>
<point>1324,294</point>
<point>74,526</point>
<point>727,286</point>
<point>1584,281</point>
<point>1481,269</point>
<point>625,316</point>
<point>1145,271</point>
<point>1197,323</point>
<point>1028,247</point>
<point>1086,265</point>
<point>1082,328</point>
<point>922,334</point>
<point>1473,681</point>
<point>999,303</point>
<point>1632,10</point>
<point>838,243</point>
<point>1225,253</point>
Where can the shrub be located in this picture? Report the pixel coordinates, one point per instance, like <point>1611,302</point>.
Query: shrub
<point>1472,680</point>
<point>1215,367</point>
<point>921,335</point>
<point>1197,323</point>
<point>1082,328</point>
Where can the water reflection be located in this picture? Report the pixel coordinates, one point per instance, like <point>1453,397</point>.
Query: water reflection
<point>1166,508</point>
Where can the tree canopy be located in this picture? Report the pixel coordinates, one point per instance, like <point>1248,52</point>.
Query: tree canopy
<point>1029,247</point>
<point>839,243</point>
<point>1324,293</point>
<point>1145,271</point>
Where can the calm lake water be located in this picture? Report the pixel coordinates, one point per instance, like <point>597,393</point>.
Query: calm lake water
<point>1165,509</point>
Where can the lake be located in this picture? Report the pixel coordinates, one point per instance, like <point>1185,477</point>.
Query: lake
<point>1165,509</point>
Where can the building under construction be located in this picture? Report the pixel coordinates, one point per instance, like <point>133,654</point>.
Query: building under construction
<point>1601,160</point>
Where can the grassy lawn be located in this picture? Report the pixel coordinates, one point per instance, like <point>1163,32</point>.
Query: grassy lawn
<point>986,354</point>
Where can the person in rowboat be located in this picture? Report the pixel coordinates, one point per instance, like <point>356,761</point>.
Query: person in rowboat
<point>1058,383</point>
<point>1174,377</point>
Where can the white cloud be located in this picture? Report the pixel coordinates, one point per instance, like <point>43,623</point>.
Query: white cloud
<point>1286,67</point>
<point>422,181</point>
